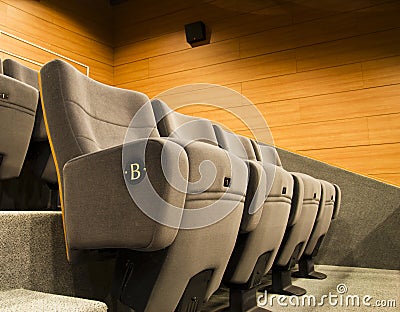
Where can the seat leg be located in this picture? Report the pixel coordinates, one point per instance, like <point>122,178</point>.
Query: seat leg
<point>306,269</point>
<point>193,298</point>
<point>244,301</point>
<point>135,275</point>
<point>282,283</point>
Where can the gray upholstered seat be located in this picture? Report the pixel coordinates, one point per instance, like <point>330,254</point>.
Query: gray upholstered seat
<point>44,165</point>
<point>328,209</point>
<point>159,265</point>
<point>199,131</point>
<point>330,199</point>
<point>255,251</point>
<point>297,233</point>
<point>18,103</point>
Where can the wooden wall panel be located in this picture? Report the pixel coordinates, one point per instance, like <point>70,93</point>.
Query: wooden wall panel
<point>325,75</point>
<point>392,178</point>
<point>361,48</point>
<point>131,71</point>
<point>167,18</point>
<point>72,15</point>
<point>381,72</point>
<point>224,73</point>
<point>317,31</point>
<point>352,105</point>
<point>63,29</point>
<point>372,159</point>
<point>202,56</point>
<point>384,129</point>
<point>297,85</point>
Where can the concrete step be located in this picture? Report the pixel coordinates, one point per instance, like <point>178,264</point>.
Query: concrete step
<point>32,256</point>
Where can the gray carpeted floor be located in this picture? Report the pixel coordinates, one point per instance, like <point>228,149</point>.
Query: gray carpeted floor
<point>378,284</point>
<point>22,300</point>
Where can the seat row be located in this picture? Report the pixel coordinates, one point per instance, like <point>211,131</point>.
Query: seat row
<point>182,203</point>
<point>27,154</point>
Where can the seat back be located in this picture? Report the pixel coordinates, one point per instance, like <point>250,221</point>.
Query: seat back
<point>43,162</point>
<point>338,201</point>
<point>296,236</point>
<point>268,155</point>
<point>18,104</point>
<point>175,125</point>
<point>255,251</point>
<point>235,144</point>
<point>20,72</point>
<point>257,186</point>
<point>324,217</point>
<point>86,116</point>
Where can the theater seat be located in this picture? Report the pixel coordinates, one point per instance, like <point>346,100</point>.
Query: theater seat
<point>329,206</point>
<point>330,198</point>
<point>297,233</point>
<point>18,103</point>
<point>44,164</point>
<point>104,203</point>
<point>255,251</point>
<point>246,265</point>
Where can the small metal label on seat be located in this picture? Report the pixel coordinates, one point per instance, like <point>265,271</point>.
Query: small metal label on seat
<point>227,182</point>
<point>3,96</point>
<point>135,171</point>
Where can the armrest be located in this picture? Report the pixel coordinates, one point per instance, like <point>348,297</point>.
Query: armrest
<point>255,196</point>
<point>18,103</point>
<point>338,200</point>
<point>99,209</point>
<point>18,94</point>
<point>297,199</point>
<point>322,200</point>
<point>217,183</point>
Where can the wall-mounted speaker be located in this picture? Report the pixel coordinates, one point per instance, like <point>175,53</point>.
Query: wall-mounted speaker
<point>195,32</point>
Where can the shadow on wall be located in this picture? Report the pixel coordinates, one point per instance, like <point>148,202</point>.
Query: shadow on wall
<point>365,234</point>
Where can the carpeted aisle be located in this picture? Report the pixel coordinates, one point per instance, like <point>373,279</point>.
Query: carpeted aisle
<point>367,284</point>
<point>22,300</point>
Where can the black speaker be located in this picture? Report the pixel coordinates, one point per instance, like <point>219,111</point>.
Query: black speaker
<point>195,32</point>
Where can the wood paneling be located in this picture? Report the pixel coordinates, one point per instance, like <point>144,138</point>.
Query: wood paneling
<point>331,134</point>
<point>364,21</point>
<point>72,15</point>
<point>384,129</point>
<point>391,178</point>
<point>224,73</point>
<point>151,47</point>
<point>131,71</point>
<point>172,19</point>
<point>61,28</point>
<point>297,85</point>
<point>323,74</point>
<point>337,106</point>
<point>346,51</point>
<point>382,72</point>
<point>370,160</point>
<point>199,57</point>
<point>305,10</point>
